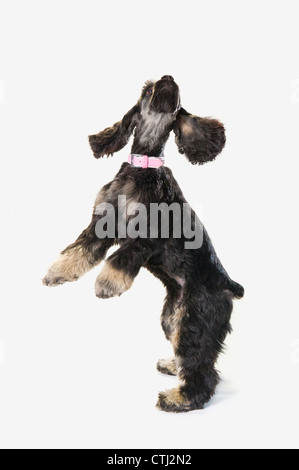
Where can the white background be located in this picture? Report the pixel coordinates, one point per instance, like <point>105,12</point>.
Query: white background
<point>76,371</point>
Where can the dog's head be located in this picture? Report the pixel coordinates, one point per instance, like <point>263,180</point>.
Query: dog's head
<point>161,97</point>
<point>158,112</point>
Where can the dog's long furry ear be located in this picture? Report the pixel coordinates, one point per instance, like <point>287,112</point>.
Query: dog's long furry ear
<point>200,139</point>
<point>114,138</point>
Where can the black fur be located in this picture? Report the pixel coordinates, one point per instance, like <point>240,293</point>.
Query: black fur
<point>205,140</point>
<point>199,299</point>
<point>116,137</point>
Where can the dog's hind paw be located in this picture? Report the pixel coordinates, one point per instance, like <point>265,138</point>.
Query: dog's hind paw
<point>167,366</point>
<point>174,401</point>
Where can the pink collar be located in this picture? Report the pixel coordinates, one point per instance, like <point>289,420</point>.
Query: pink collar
<point>144,161</point>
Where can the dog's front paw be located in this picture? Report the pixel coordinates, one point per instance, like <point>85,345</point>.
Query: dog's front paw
<point>174,401</point>
<point>56,278</point>
<point>60,272</point>
<point>112,282</point>
<point>53,280</point>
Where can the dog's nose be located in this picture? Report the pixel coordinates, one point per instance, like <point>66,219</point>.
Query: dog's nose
<point>167,77</point>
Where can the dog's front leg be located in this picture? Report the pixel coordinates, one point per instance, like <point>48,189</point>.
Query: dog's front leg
<point>82,255</point>
<point>122,267</point>
<point>78,258</point>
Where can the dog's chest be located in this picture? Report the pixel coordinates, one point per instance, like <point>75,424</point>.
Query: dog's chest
<point>149,186</point>
<point>152,127</point>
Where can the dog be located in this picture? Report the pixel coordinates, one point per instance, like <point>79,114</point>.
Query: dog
<point>199,300</point>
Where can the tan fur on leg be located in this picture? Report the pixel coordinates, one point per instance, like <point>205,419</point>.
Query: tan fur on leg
<point>112,282</point>
<point>173,400</point>
<point>177,319</point>
<point>167,366</point>
<point>68,268</point>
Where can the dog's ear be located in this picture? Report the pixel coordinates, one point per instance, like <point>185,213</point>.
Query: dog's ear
<point>114,138</point>
<point>200,139</point>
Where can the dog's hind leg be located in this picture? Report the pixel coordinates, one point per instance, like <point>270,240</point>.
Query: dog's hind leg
<point>82,255</point>
<point>201,326</point>
<point>169,366</point>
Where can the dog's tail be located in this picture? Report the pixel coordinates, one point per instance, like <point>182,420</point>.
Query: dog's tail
<point>236,289</point>
<point>225,282</point>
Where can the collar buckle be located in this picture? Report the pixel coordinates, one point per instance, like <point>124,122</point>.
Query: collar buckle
<point>144,161</point>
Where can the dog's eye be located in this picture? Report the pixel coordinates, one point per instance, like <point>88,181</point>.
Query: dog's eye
<point>149,92</point>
